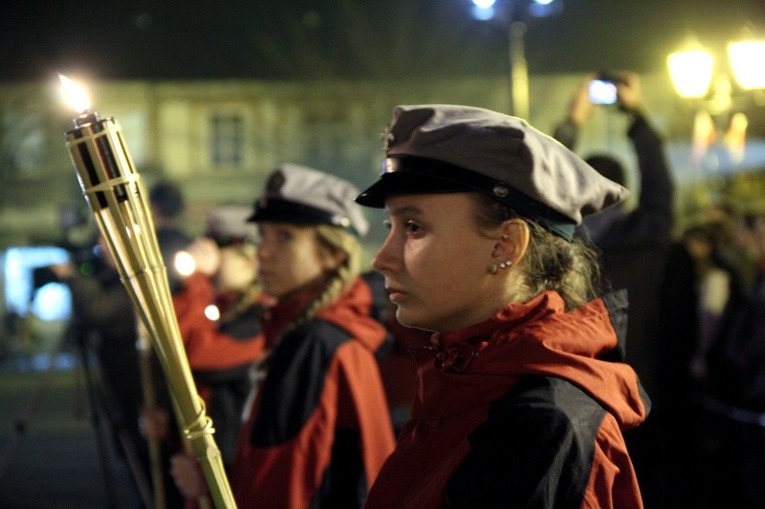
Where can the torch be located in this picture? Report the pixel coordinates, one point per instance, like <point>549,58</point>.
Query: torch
<point>113,189</point>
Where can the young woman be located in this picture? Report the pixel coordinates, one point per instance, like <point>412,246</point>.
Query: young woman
<point>318,428</point>
<point>522,399</point>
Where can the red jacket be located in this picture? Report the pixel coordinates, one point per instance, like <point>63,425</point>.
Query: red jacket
<point>319,430</point>
<point>524,410</point>
<point>212,345</point>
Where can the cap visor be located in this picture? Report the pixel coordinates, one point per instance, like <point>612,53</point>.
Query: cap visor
<point>405,182</point>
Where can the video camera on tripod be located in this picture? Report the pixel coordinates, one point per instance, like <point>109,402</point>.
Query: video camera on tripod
<point>78,239</point>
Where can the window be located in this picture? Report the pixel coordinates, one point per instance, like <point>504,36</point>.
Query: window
<point>23,143</point>
<point>227,135</point>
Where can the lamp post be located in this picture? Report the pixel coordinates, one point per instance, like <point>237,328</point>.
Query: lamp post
<point>719,93</point>
<point>692,70</point>
<point>513,16</point>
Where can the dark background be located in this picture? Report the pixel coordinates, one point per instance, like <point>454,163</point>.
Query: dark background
<point>356,39</point>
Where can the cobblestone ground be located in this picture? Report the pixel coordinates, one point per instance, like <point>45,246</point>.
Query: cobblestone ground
<point>49,453</point>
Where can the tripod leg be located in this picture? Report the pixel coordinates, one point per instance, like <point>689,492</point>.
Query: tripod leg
<point>105,400</point>
<point>95,418</point>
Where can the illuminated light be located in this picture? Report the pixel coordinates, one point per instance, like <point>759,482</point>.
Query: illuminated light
<point>17,266</point>
<point>545,8</point>
<point>484,4</point>
<point>52,302</point>
<point>746,60</point>
<point>603,92</point>
<point>212,313</point>
<point>483,13</point>
<point>691,72</point>
<point>75,95</point>
<point>87,269</point>
<point>184,263</point>
<point>735,138</point>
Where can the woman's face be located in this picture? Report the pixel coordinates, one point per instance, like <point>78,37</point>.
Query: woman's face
<point>699,248</point>
<point>436,262</point>
<point>290,258</point>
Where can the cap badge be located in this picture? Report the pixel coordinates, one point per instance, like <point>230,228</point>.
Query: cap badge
<point>388,139</point>
<point>500,190</point>
<point>275,183</point>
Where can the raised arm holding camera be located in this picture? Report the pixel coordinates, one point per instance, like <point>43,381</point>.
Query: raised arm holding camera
<point>652,219</point>
<point>633,242</point>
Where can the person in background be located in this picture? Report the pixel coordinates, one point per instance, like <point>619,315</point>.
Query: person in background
<point>732,238</point>
<point>634,245</point>
<point>715,285</point>
<point>219,308</point>
<point>522,397</point>
<point>733,449</point>
<point>318,429</point>
<point>167,205</point>
<point>698,283</point>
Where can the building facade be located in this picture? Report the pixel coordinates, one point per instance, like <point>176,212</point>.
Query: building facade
<point>219,139</point>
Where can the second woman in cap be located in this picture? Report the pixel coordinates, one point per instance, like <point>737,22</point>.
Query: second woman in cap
<point>317,429</point>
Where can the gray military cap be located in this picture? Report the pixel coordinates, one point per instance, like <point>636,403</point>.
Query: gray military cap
<point>301,195</point>
<point>227,224</point>
<point>440,148</point>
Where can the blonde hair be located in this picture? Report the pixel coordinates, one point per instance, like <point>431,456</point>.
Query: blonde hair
<point>331,240</point>
<point>551,262</point>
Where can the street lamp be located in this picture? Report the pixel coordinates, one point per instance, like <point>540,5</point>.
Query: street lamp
<point>693,72</point>
<point>515,24</point>
<point>746,59</point>
<point>692,68</point>
<point>697,77</point>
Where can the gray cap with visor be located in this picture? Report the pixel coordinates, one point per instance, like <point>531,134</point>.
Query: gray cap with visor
<point>442,148</point>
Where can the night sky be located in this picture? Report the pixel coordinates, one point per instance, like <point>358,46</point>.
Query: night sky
<point>348,39</point>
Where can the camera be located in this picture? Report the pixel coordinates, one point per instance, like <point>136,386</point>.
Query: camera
<point>78,236</point>
<point>603,89</point>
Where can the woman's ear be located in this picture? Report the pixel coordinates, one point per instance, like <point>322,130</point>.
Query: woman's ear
<point>513,241</point>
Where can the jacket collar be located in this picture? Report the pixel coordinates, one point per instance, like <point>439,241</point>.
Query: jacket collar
<point>477,365</point>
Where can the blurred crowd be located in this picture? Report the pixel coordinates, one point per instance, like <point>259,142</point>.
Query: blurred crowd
<point>294,345</point>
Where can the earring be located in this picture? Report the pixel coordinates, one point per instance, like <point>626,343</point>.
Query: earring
<point>494,267</point>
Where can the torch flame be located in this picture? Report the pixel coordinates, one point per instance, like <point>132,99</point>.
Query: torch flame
<point>75,94</point>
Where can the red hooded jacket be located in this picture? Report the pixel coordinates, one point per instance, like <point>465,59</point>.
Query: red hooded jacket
<point>319,430</point>
<point>524,410</point>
